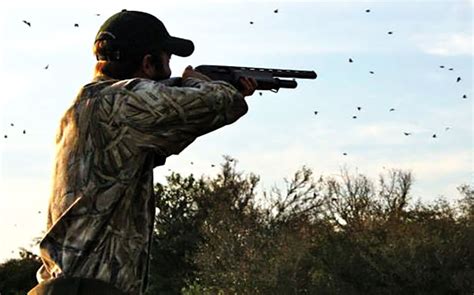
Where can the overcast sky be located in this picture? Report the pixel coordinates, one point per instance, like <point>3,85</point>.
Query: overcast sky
<point>281,131</point>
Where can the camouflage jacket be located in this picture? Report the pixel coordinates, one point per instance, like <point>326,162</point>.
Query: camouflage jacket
<point>102,207</point>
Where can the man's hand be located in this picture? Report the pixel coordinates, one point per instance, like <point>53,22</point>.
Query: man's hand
<point>189,72</point>
<point>247,85</point>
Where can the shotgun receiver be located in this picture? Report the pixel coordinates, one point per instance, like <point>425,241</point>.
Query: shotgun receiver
<point>267,79</point>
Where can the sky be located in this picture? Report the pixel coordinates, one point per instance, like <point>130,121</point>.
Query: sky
<point>43,66</point>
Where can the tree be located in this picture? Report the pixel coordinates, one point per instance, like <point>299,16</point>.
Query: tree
<point>343,235</point>
<point>181,206</point>
<point>18,276</point>
<point>330,235</point>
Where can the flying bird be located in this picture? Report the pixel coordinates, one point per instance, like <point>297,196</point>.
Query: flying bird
<point>390,33</point>
<point>97,14</point>
<point>27,23</point>
<point>464,96</point>
<point>11,124</point>
<point>367,10</point>
<point>260,93</point>
<point>451,69</point>
<point>350,60</point>
<point>359,108</point>
<point>434,135</point>
<point>251,22</point>
<point>212,165</point>
<point>441,67</point>
<point>275,11</point>
<point>5,136</point>
<point>372,72</point>
<point>391,110</point>
<point>315,112</point>
<point>447,128</point>
<point>46,67</point>
<point>458,79</point>
<point>76,25</point>
<point>24,131</point>
<point>354,117</point>
<point>345,154</point>
<point>407,133</point>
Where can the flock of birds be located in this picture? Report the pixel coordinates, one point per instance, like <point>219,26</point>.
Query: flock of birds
<point>350,60</point>
<point>434,135</point>
<point>13,125</point>
<point>28,23</point>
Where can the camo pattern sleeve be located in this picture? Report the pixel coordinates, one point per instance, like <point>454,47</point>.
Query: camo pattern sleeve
<point>102,206</point>
<point>170,121</point>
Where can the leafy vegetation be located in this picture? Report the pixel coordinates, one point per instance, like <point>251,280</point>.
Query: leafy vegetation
<point>18,276</point>
<point>330,235</point>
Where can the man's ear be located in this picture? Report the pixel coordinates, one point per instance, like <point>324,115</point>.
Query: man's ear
<point>148,67</point>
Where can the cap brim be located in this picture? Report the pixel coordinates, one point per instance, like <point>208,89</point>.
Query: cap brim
<point>179,46</point>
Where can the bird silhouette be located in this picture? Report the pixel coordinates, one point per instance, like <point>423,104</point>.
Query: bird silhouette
<point>315,112</point>
<point>407,133</point>
<point>251,22</point>
<point>434,136</point>
<point>24,131</point>
<point>46,67</point>
<point>275,11</point>
<point>350,60</point>
<point>260,93</point>
<point>441,67</point>
<point>390,33</point>
<point>391,110</point>
<point>451,69</point>
<point>458,79</point>
<point>372,72</point>
<point>359,108</point>
<point>76,25</point>
<point>367,10</point>
<point>354,117</point>
<point>345,154</point>
<point>464,96</point>
<point>11,124</point>
<point>27,23</point>
<point>212,165</point>
<point>5,136</point>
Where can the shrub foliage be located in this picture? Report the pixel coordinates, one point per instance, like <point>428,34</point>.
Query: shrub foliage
<point>345,234</point>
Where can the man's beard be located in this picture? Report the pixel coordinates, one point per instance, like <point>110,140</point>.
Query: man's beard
<point>161,75</point>
<point>161,72</point>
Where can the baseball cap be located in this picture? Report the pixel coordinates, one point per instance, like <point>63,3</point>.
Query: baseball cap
<point>134,33</point>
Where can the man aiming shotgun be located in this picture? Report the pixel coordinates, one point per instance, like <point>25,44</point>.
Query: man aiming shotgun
<point>123,124</point>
